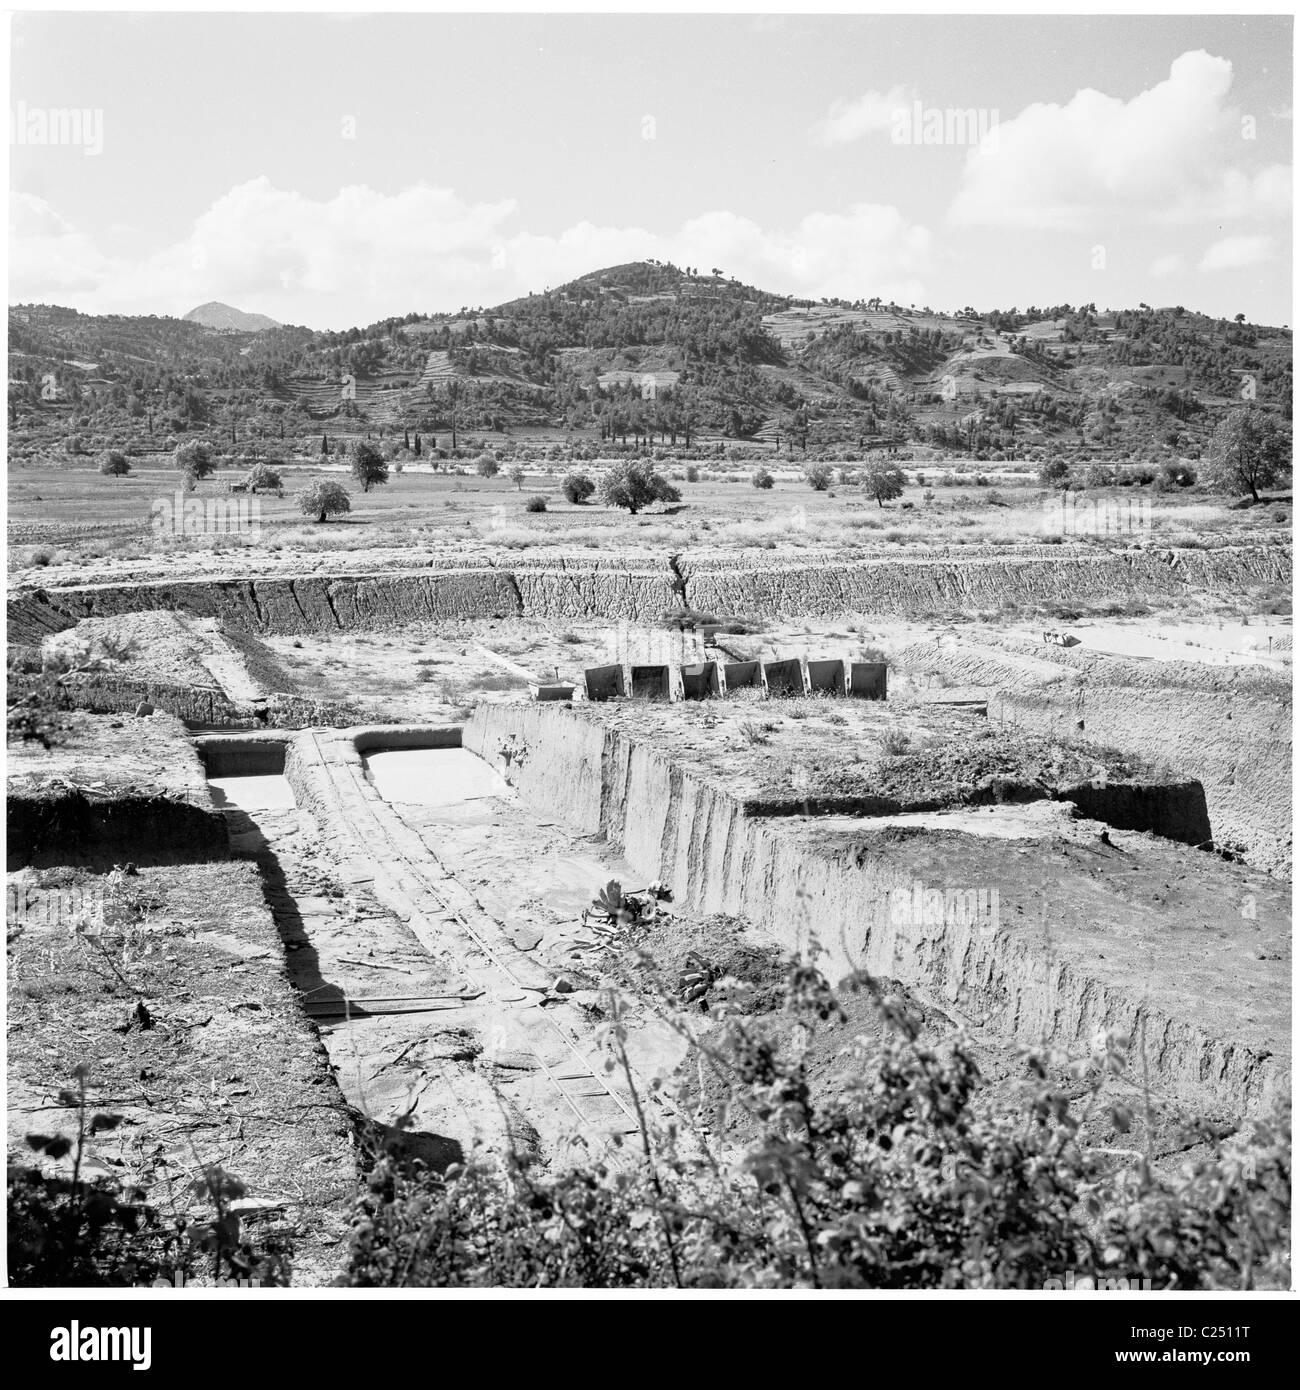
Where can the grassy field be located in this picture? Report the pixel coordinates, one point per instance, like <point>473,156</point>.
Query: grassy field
<point>70,513</point>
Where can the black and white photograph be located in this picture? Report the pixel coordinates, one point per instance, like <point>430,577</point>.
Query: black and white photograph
<point>649,656</point>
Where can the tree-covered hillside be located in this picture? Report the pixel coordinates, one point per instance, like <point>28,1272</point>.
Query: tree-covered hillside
<point>651,351</point>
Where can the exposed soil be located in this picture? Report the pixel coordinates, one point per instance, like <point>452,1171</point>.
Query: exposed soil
<point>179,1008</point>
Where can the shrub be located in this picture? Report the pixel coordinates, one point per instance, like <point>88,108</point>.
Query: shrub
<point>762,479</point>
<point>262,477</point>
<point>486,466</point>
<point>1054,472</point>
<point>577,487</point>
<point>535,504</point>
<point>1178,474</point>
<point>323,500</point>
<point>819,476</point>
<point>369,466</point>
<point>99,1231</point>
<point>692,473</point>
<point>894,743</point>
<point>74,444</point>
<point>897,1176</point>
<point>634,485</point>
<point>1099,475</point>
<point>114,464</point>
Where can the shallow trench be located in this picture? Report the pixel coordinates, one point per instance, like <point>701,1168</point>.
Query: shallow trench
<point>427,919</point>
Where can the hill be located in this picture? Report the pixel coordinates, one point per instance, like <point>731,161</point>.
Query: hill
<point>652,352</point>
<point>221,316</point>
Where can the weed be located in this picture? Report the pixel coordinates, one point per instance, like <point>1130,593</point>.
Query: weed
<point>894,743</point>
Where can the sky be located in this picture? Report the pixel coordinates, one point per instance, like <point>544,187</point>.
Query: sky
<point>332,170</point>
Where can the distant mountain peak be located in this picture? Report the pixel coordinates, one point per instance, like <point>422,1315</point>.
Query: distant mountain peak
<point>214,314</point>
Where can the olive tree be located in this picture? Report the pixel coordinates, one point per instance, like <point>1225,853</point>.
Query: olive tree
<point>324,499</point>
<point>634,485</point>
<point>1249,451</point>
<point>883,481</point>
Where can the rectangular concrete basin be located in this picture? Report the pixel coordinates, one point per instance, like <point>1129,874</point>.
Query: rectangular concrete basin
<point>652,683</point>
<point>867,680</point>
<point>701,681</point>
<point>604,682</point>
<point>741,675</point>
<point>784,677</point>
<point>552,692</point>
<point>827,677</point>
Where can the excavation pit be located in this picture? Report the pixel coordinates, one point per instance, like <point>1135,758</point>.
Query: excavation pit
<point>833,826</point>
<point>431,776</point>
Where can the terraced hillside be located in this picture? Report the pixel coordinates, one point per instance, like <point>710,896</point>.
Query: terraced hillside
<point>649,351</point>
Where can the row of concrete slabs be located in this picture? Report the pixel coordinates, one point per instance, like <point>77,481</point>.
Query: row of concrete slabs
<point>714,680</point>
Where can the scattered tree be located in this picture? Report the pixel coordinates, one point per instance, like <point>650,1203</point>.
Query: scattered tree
<point>634,485</point>
<point>577,487</point>
<point>517,476</point>
<point>1054,473</point>
<point>883,481</point>
<point>1249,451</point>
<point>114,464</point>
<point>195,460</point>
<point>369,466</point>
<point>263,478</point>
<point>324,499</point>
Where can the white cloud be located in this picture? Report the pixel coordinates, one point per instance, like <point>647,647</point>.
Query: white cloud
<point>48,254</point>
<point>362,255</point>
<point>1237,253</point>
<point>1167,155</point>
<point>872,111</point>
<point>1164,266</point>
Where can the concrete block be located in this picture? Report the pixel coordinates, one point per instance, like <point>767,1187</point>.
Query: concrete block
<point>867,680</point>
<point>604,682</point>
<point>784,677</point>
<point>741,675</point>
<point>552,692</point>
<point>701,681</point>
<point>827,677</point>
<point>652,683</point>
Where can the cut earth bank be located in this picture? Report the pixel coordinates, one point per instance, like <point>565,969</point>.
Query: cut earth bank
<point>965,871</point>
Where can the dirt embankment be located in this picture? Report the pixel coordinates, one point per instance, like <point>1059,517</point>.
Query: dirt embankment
<point>113,790</point>
<point>641,588</point>
<point>1228,728</point>
<point>1042,928</point>
<point>909,585</point>
<point>199,669</point>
